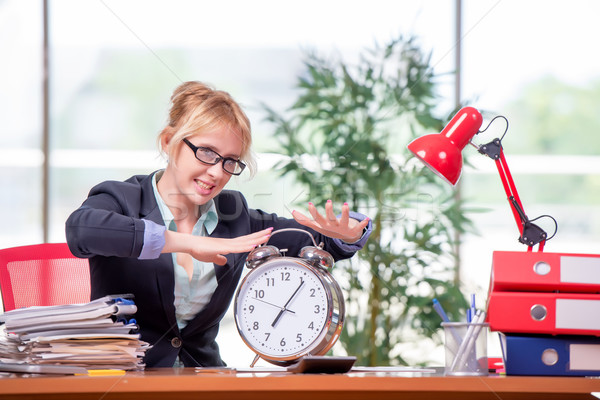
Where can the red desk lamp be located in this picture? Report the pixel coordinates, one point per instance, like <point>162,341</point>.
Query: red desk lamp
<point>442,153</point>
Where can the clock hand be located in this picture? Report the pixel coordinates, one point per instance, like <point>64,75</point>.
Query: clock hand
<point>286,304</point>
<point>277,317</point>
<point>271,304</point>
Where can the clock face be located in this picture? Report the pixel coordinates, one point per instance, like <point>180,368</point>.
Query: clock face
<point>284,309</point>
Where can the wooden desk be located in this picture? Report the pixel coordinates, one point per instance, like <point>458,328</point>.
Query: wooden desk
<point>187,384</point>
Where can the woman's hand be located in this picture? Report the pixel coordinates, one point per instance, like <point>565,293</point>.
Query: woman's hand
<point>209,249</point>
<point>345,228</point>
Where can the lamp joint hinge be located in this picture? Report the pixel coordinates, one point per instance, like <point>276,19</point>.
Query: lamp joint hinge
<point>532,234</point>
<point>491,149</point>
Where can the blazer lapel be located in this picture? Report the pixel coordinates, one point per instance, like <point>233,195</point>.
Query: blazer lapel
<point>165,277</point>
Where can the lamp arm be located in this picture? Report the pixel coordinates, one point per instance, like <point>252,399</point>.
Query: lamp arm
<point>530,233</point>
<point>442,153</point>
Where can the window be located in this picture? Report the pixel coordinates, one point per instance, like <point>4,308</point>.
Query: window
<point>112,69</point>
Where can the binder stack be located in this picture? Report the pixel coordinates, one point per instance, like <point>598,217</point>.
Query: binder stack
<point>546,307</point>
<point>100,334</point>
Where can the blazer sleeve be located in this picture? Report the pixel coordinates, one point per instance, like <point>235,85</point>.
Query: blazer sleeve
<point>107,223</point>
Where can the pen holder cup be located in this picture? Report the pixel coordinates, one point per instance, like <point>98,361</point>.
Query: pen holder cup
<point>466,348</point>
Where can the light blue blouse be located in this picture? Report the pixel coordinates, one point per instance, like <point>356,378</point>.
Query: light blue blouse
<point>191,296</point>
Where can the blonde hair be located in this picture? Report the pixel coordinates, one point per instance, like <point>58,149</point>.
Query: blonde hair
<point>196,108</point>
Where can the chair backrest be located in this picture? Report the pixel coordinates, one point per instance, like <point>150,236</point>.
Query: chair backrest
<point>43,275</point>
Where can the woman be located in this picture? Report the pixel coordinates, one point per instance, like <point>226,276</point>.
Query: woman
<point>177,241</point>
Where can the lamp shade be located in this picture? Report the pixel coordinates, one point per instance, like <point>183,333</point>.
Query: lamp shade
<point>442,152</point>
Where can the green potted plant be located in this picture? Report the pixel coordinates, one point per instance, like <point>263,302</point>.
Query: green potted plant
<point>345,139</point>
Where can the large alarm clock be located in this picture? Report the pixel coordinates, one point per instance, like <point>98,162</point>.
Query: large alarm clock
<point>289,307</point>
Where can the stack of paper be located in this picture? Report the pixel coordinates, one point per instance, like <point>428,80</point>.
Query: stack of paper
<point>97,335</point>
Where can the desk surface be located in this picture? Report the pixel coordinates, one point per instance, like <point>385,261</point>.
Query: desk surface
<point>188,384</point>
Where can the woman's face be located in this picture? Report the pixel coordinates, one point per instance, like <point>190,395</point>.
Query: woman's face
<point>194,182</point>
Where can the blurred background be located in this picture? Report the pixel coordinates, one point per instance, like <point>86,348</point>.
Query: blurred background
<point>85,87</point>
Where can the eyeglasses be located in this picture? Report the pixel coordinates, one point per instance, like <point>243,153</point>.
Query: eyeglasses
<point>210,157</point>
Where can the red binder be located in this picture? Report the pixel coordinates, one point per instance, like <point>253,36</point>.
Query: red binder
<point>544,313</point>
<point>539,271</point>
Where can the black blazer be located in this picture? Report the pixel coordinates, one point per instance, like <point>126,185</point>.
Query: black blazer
<point>108,229</point>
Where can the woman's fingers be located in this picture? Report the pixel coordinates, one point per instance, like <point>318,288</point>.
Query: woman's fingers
<point>345,218</point>
<point>219,259</point>
<point>318,218</point>
<point>344,227</point>
<point>331,217</point>
<point>213,250</point>
<point>253,239</point>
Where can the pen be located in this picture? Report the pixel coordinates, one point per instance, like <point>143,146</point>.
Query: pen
<point>438,309</point>
<point>466,347</point>
<point>216,370</point>
<point>104,372</point>
<point>471,311</point>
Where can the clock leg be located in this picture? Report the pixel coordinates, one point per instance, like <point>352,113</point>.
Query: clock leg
<point>255,361</point>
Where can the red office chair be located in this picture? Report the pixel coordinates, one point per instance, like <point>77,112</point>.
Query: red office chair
<point>43,275</point>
